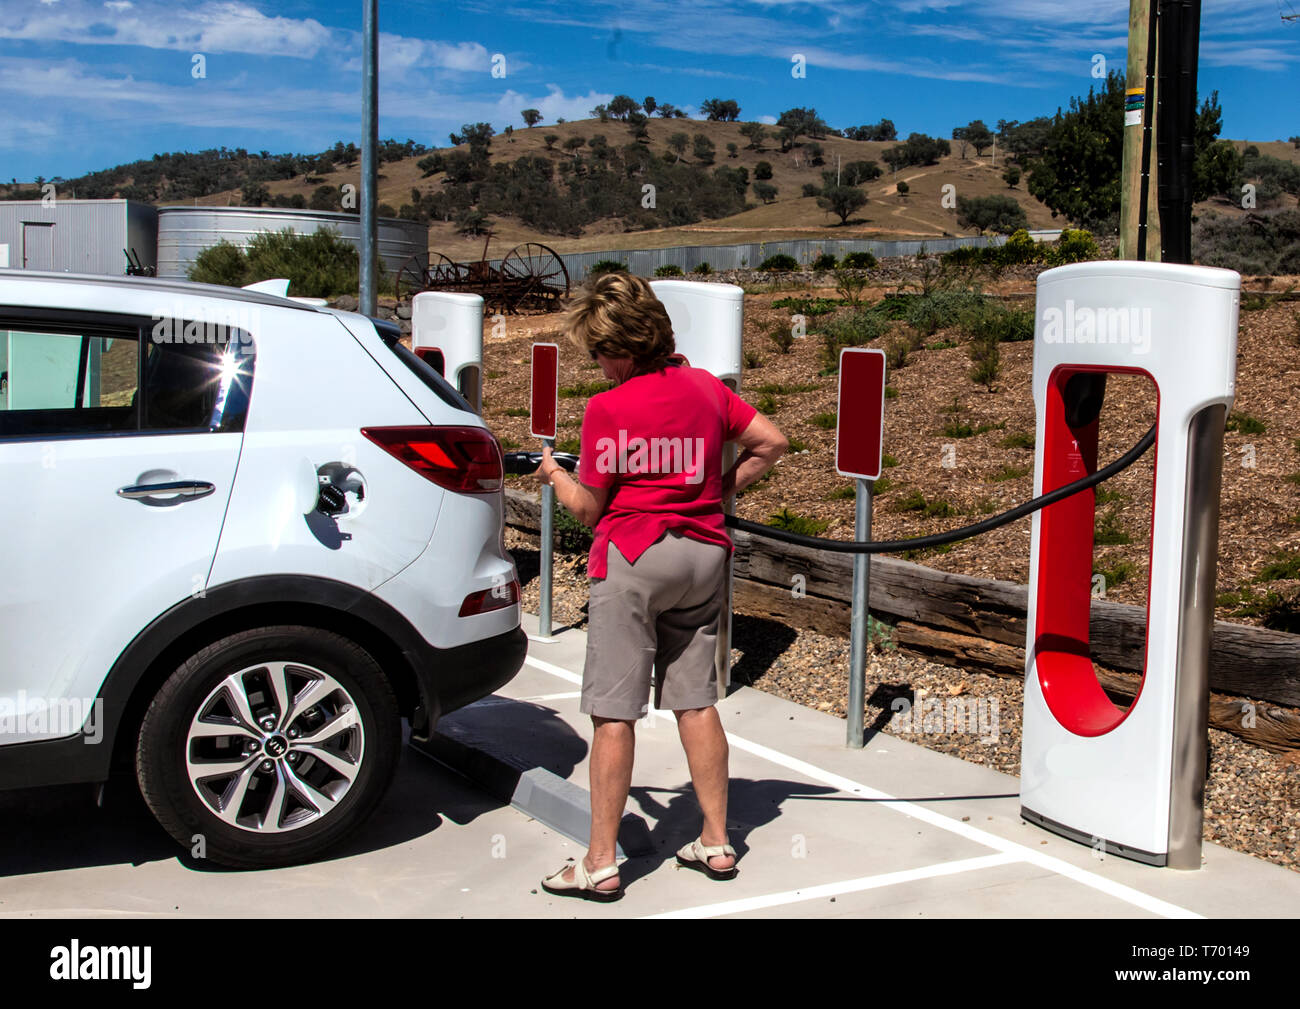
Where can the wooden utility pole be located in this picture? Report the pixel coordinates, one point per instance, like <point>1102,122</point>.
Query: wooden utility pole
<point>1139,169</point>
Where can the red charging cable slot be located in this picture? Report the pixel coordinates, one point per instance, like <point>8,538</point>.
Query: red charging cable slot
<point>1065,564</point>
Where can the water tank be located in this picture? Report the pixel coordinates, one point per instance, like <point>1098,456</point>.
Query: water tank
<point>184,232</point>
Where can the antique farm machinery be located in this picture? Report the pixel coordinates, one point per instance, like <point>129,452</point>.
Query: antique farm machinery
<point>530,278</point>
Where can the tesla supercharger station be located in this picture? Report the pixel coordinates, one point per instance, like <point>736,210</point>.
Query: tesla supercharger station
<point>1128,782</point>
<point>447,332</point>
<point>708,323</point>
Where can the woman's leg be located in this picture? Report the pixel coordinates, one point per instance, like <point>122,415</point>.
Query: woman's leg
<point>612,750</point>
<point>706,754</point>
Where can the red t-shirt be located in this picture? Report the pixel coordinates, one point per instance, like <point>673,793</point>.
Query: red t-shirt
<point>656,440</point>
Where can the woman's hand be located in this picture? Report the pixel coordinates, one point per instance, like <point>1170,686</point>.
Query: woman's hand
<point>546,471</point>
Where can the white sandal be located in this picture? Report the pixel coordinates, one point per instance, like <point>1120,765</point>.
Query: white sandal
<point>584,884</point>
<point>696,856</point>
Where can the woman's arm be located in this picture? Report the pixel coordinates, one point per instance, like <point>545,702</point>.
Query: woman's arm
<point>586,503</point>
<point>763,445</point>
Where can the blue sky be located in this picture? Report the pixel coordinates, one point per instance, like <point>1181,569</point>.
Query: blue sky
<point>89,84</point>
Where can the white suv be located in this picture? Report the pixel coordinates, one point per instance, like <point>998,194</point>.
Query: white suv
<point>242,537</point>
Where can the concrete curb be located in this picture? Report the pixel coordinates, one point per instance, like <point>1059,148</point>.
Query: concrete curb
<point>534,791</point>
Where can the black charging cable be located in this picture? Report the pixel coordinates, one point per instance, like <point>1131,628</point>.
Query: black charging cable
<point>526,462</point>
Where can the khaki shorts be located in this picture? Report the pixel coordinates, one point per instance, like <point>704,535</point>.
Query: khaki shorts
<point>660,615</point>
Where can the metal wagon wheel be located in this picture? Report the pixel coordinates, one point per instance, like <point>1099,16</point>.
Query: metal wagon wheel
<point>533,278</point>
<point>427,272</point>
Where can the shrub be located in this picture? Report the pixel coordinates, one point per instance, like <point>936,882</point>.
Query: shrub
<point>1243,424</point>
<point>896,348</point>
<point>1001,214</point>
<point>223,263</point>
<point>986,361</point>
<point>571,536</point>
<point>849,286</point>
<point>806,306</point>
<point>989,320</point>
<point>826,421</point>
<point>1020,248</point>
<point>938,310</point>
<point>1074,246</point>
<point>781,338</point>
<point>1108,532</point>
<point>853,330</point>
<point>669,270</point>
<point>903,189</point>
<point>319,265</point>
<point>606,266</point>
<point>780,263</point>
<point>763,170</point>
<point>791,522</point>
<point>824,262</point>
<point>704,269</point>
<point>859,261</point>
<point>810,189</point>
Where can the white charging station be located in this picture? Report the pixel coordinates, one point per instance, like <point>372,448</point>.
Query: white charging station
<point>708,325</point>
<point>447,332</point>
<point>1129,781</point>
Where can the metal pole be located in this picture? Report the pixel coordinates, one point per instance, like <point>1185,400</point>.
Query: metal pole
<point>548,544</point>
<point>858,621</point>
<point>369,146</point>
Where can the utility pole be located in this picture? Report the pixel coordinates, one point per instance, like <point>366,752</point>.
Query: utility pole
<point>369,146</point>
<point>1139,231</point>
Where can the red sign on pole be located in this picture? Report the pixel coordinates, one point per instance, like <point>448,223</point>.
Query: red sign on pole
<point>860,423</point>
<point>544,404</point>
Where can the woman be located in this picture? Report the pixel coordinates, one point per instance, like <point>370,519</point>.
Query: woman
<point>650,483</point>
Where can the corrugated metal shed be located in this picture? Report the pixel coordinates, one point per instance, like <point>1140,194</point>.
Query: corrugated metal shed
<point>184,232</point>
<point>76,236</point>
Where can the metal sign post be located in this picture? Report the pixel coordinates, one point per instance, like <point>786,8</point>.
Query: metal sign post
<point>859,436</point>
<point>544,407</point>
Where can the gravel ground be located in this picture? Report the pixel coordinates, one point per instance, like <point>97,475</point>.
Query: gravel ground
<point>1252,801</point>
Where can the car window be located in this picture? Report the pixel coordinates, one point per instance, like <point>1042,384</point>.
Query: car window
<point>202,386</point>
<point>64,381</point>
<point>58,379</point>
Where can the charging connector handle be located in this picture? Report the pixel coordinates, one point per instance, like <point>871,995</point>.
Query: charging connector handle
<point>965,532</point>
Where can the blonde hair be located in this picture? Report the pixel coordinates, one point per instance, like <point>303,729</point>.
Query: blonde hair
<point>618,315</point>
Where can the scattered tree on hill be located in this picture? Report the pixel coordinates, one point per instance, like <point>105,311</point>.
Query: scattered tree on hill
<point>649,104</point>
<point>254,194</point>
<point>666,110</point>
<point>600,112</point>
<point>622,106</point>
<point>550,139</point>
<point>903,188</point>
<point>979,136</point>
<point>1024,141</point>
<point>723,110</point>
<point>959,135</point>
<point>842,201</point>
<point>755,133</point>
<point>765,191</point>
<point>786,136</point>
<point>883,130</point>
<point>636,125</point>
<point>857,172</point>
<point>702,148</point>
<point>1001,214</point>
<point>473,222</point>
<point>677,143</point>
<point>803,122</point>
<point>763,170</point>
<point>1011,176</point>
<point>816,154</point>
<point>1296,142</point>
<point>1218,165</point>
<point>733,150</point>
<point>918,149</point>
<point>573,144</point>
<point>531,117</point>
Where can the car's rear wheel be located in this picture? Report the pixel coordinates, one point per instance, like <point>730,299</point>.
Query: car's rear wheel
<point>269,746</point>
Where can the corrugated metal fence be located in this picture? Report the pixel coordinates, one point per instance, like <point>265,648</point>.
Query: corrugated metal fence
<point>644,262</point>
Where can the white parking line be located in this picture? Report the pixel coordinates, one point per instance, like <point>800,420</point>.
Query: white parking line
<point>836,889</point>
<point>1019,852</point>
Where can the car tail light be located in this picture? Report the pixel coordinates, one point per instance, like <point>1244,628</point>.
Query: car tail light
<point>463,459</point>
<point>496,598</point>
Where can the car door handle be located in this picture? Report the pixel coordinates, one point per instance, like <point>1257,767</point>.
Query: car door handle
<point>188,490</point>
